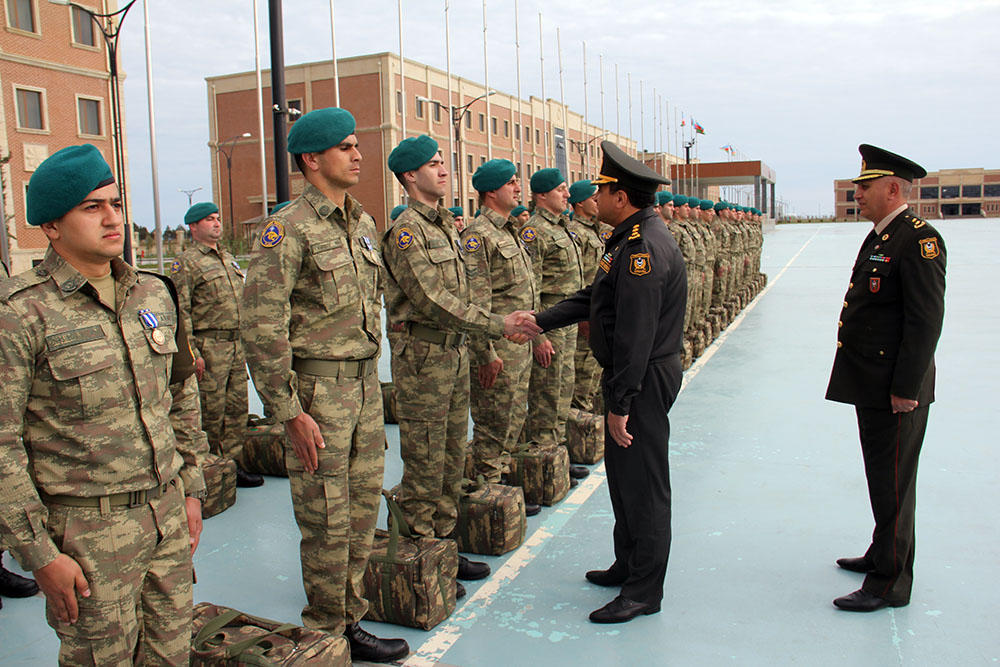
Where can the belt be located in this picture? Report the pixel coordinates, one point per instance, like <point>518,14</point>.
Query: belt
<point>432,335</point>
<point>332,368</point>
<point>123,499</point>
<point>218,334</point>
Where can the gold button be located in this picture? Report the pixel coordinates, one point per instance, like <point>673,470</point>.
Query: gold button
<point>875,270</point>
<point>885,237</point>
<point>840,324</point>
<point>845,304</point>
<point>850,286</point>
<point>881,353</point>
<point>839,344</point>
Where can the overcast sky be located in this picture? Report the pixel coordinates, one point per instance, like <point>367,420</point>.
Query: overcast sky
<point>795,83</point>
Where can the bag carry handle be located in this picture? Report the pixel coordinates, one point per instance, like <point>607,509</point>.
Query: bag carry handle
<point>397,525</point>
<point>224,619</point>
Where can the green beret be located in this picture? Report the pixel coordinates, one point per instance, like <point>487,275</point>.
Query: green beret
<point>663,197</point>
<point>278,207</point>
<point>493,175</point>
<point>412,153</point>
<point>457,211</point>
<point>720,206</point>
<point>200,211</point>
<point>705,204</point>
<point>546,180</point>
<point>518,210</point>
<point>319,130</point>
<point>394,213</point>
<point>581,190</point>
<point>63,180</point>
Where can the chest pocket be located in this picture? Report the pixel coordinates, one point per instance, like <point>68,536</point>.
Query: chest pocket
<point>514,265</point>
<point>445,260</point>
<point>82,364</point>
<point>369,270</point>
<point>214,281</point>
<point>875,279</point>
<point>338,279</point>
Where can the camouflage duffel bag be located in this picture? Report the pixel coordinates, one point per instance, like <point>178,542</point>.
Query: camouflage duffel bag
<point>389,403</point>
<point>409,580</point>
<point>264,447</point>
<point>224,636</point>
<point>220,485</point>
<point>584,436</point>
<point>542,471</point>
<point>491,518</point>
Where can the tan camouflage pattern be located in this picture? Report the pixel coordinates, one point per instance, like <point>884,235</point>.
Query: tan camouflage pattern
<point>313,290</point>
<point>587,372</point>
<point>266,642</point>
<point>584,437</point>
<point>389,403</point>
<point>209,289</point>
<point>264,450</point>
<point>220,480</point>
<point>723,260</point>
<point>542,472</point>
<point>708,272</point>
<point>491,519</point>
<point>501,277</point>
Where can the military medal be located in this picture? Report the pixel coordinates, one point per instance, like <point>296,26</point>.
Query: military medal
<point>158,337</point>
<point>148,318</point>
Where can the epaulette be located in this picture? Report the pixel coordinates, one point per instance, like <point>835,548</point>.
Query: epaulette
<point>915,221</point>
<point>634,234</point>
<point>22,281</point>
<point>166,281</point>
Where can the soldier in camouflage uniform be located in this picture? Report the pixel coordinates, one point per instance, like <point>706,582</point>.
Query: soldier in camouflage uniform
<point>723,261</point>
<point>703,208</point>
<point>692,333</point>
<point>669,212</point>
<point>209,284</point>
<point>521,215</point>
<point>428,300</point>
<point>501,279</point>
<point>312,331</point>
<point>100,446</point>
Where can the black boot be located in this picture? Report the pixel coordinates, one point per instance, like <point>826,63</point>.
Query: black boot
<point>470,570</point>
<point>578,472</point>
<point>367,647</point>
<point>15,586</point>
<point>247,479</point>
<point>530,509</point>
<point>459,590</point>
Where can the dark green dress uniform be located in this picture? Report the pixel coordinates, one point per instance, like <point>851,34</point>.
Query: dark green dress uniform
<point>636,311</point>
<point>888,329</point>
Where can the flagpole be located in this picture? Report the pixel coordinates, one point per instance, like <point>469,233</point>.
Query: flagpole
<point>618,108</point>
<point>486,76</point>
<point>520,118</point>
<point>402,67</point>
<point>454,159</point>
<point>677,145</point>
<point>667,107</point>
<point>631,133</point>
<point>562,93</point>
<point>260,110</point>
<point>642,119</point>
<point>586,143</point>
<point>333,45</point>
<point>600,64</point>
<point>545,102</point>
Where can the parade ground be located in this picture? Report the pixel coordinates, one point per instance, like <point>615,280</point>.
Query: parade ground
<point>768,491</point>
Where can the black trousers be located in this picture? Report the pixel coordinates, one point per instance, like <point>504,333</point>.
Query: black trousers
<point>639,484</point>
<point>891,445</point>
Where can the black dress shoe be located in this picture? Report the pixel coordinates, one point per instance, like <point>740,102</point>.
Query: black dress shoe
<point>855,564</point>
<point>15,586</point>
<point>248,479</point>
<point>367,647</point>
<point>471,570</point>
<point>862,600</point>
<point>573,483</point>
<point>459,590</point>
<point>607,577</point>
<point>578,472</point>
<point>530,509</point>
<point>622,610</point>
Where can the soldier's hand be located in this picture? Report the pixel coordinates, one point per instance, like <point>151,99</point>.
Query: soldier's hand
<point>902,404</point>
<point>192,506</point>
<point>199,368</point>
<point>488,373</point>
<point>584,329</point>
<point>543,353</point>
<point>61,581</point>
<point>306,438</point>
<point>520,326</point>
<point>616,427</point>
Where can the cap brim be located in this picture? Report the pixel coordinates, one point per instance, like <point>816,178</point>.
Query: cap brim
<point>602,179</point>
<point>869,174</point>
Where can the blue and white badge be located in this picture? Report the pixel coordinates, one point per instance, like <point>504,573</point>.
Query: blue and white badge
<point>367,242</point>
<point>148,318</point>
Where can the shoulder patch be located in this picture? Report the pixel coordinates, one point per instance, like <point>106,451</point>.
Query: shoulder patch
<point>605,235</point>
<point>929,248</point>
<point>175,267</point>
<point>272,235</point>
<point>473,243</point>
<point>634,234</point>
<point>404,238</point>
<point>528,234</point>
<point>639,263</point>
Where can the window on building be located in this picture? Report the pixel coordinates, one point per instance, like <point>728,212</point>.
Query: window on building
<point>482,122</point>
<point>517,131</point>
<point>929,192</point>
<point>849,195</point>
<point>399,101</point>
<point>991,190</point>
<point>472,206</point>
<point>89,116</point>
<point>482,160</point>
<point>297,105</point>
<point>506,128</point>
<point>949,192</point>
<point>83,27</point>
<point>538,139</point>
<point>529,170</point>
<point>30,109</point>
<point>971,209</point>
<point>850,211</point>
<point>972,191</point>
<point>929,209</point>
<point>468,162</point>
<point>437,112</point>
<point>493,124</point>
<point>949,209</point>
<point>468,121</point>
<point>454,163</point>
<point>21,15</point>
<point>419,107</point>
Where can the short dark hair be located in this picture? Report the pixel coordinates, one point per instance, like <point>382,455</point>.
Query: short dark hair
<point>299,162</point>
<point>399,177</point>
<point>636,198</point>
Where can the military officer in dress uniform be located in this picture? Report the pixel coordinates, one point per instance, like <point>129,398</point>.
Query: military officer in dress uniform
<point>429,301</point>
<point>312,331</point>
<point>100,440</point>
<point>209,284</point>
<point>884,366</point>
<point>636,311</point>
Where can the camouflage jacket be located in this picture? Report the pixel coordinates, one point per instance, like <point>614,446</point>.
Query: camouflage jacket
<point>209,288</point>
<point>711,245</point>
<point>313,291</point>
<point>684,241</point>
<point>586,235</point>
<point>89,405</point>
<point>723,236</point>
<point>426,278</point>
<point>499,272</point>
<point>699,258</point>
<point>555,258</point>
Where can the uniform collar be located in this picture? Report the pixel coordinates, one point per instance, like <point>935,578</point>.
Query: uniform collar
<point>625,228</point>
<point>428,213</point>
<point>326,209</point>
<point>884,222</point>
<point>549,216</point>
<point>69,280</point>
<point>497,219</point>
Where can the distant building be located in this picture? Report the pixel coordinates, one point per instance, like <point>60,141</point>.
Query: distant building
<point>54,92</point>
<point>546,132</point>
<point>949,193</point>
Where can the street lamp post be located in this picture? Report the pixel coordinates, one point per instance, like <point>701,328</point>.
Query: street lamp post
<point>189,193</point>
<point>110,33</point>
<point>228,154</point>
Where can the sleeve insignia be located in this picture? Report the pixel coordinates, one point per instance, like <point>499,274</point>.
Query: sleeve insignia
<point>272,235</point>
<point>929,248</point>
<point>639,263</point>
<point>605,263</point>
<point>472,244</point>
<point>634,234</point>
<point>404,239</point>
<point>605,235</point>
<point>175,267</point>
<point>528,234</point>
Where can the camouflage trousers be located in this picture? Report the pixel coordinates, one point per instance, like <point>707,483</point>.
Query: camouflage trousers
<point>223,390</point>
<point>587,374</point>
<point>137,562</point>
<point>706,290</point>
<point>498,413</point>
<point>550,390</point>
<point>720,285</point>
<point>694,283</point>
<point>337,506</point>
<point>432,400</point>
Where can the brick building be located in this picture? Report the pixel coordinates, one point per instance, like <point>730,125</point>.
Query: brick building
<point>948,193</point>
<point>54,92</point>
<point>548,134</point>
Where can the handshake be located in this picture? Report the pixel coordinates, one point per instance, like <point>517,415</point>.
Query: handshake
<point>520,326</point>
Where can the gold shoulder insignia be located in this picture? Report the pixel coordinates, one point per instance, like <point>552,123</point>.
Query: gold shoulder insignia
<point>634,233</point>
<point>917,224</point>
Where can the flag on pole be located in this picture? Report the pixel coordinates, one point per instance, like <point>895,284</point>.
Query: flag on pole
<point>697,128</point>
